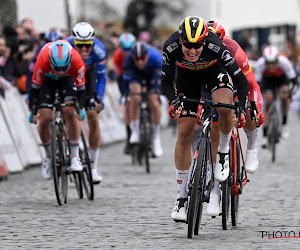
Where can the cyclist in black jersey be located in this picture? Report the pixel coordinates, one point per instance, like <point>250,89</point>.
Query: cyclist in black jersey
<point>200,58</point>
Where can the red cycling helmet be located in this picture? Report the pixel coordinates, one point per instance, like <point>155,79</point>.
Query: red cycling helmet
<point>217,28</point>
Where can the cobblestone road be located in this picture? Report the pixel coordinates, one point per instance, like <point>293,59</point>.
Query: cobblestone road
<point>132,209</point>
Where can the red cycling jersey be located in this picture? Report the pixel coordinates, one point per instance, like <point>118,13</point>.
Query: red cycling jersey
<point>43,66</point>
<point>242,60</point>
<point>118,58</point>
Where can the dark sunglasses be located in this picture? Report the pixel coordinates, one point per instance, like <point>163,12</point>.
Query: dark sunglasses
<point>142,58</point>
<point>60,69</point>
<point>197,45</point>
<point>81,45</point>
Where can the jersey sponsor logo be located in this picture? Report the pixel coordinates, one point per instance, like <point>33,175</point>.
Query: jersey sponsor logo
<point>80,74</point>
<point>165,58</point>
<point>237,71</point>
<point>184,112</point>
<point>195,66</point>
<point>220,77</point>
<point>226,56</point>
<point>38,74</point>
<point>99,51</point>
<point>193,113</point>
<point>194,21</point>
<point>172,47</point>
<point>214,47</point>
<point>222,84</point>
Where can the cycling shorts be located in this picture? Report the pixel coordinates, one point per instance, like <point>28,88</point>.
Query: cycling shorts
<point>190,82</point>
<point>272,83</point>
<point>65,86</point>
<point>90,86</point>
<point>153,84</point>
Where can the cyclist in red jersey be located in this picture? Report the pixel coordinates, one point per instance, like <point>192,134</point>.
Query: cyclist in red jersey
<point>57,67</point>
<point>274,72</point>
<point>127,40</point>
<point>250,126</point>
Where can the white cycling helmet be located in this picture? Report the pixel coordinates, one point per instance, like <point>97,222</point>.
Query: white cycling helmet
<point>83,31</point>
<point>270,54</point>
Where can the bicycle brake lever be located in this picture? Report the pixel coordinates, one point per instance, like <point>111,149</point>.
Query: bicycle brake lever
<point>254,111</point>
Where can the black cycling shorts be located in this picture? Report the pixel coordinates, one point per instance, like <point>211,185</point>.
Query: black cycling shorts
<point>65,86</point>
<point>272,83</point>
<point>90,86</point>
<point>189,82</point>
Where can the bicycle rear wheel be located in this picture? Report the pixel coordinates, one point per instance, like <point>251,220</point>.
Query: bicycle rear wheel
<point>59,163</point>
<point>76,178</point>
<point>226,193</point>
<point>195,205</point>
<point>86,174</point>
<point>239,182</point>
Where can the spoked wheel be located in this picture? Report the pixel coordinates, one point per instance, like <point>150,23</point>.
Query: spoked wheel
<point>145,138</point>
<point>86,174</point>
<point>196,193</point>
<point>226,194</point>
<point>76,178</point>
<point>59,147</point>
<point>239,180</point>
<point>134,154</point>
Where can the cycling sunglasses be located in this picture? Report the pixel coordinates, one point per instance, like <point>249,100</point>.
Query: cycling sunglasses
<point>60,69</point>
<point>81,44</point>
<point>142,58</point>
<point>197,45</point>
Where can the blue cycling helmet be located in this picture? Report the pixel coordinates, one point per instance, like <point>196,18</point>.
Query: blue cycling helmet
<point>127,40</point>
<point>139,50</point>
<point>53,35</point>
<point>60,54</point>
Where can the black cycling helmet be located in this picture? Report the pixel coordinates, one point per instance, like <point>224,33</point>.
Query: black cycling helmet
<point>193,29</point>
<point>139,50</point>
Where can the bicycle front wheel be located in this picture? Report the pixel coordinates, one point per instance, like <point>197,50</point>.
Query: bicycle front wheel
<point>273,132</point>
<point>145,137</point>
<point>86,174</point>
<point>195,205</point>
<point>59,164</point>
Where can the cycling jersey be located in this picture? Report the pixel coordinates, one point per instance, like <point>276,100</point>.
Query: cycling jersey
<point>151,73</point>
<point>214,50</point>
<point>118,58</point>
<point>96,57</point>
<point>43,67</point>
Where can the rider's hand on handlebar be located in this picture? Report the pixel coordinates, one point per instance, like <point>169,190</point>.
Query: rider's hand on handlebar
<point>176,114</point>
<point>33,118</point>
<point>260,118</point>
<point>242,121</point>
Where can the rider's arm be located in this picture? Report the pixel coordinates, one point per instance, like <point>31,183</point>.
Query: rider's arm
<point>168,70</point>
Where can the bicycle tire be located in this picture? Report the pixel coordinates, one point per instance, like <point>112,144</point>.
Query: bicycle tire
<point>145,138</point>
<point>273,133</point>
<point>86,173</point>
<point>226,193</point>
<point>239,180</point>
<point>195,205</point>
<point>77,179</point>
<point>135,154</point>
<point>59,165</point>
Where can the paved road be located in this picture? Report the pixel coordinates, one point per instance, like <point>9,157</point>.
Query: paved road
<point>132,209</point>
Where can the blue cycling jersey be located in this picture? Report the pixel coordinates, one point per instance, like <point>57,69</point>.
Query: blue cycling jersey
<point>151,73</point>
<point>96,57</point>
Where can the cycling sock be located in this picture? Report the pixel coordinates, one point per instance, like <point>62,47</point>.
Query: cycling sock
<point>135,126</point>
<point>94,158</point>
<point>216,189</point>
<point>284,119</point>
<point>182,177</point>
<point>74,148</point>
<point>128,130</point>
<point>265,130</point>
<point>47,147</point>
<point>252,138</point>
<point>155,131</point>
<point>224,143</point>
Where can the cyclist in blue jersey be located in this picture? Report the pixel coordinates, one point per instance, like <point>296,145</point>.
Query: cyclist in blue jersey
<point>93,53</point>
<point>142,68</point>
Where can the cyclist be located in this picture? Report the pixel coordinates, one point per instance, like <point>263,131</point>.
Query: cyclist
<point>250,126</point>
<point>127,40</point>
<point>200,58</point>
<point>274,72</point>
<point>142,68</point>
<point>93,53</point>
<point>58,65</point>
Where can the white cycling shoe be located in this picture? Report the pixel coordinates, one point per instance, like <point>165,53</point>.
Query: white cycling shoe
<point>157,148</point>
<point>76,165</point>
<point>213,207</point>
<point>251,161</point>
<point>47,170</point>
<point>179,211</point>
<point>222,166</point>
<point>134,138</point>
<point>97,178</point>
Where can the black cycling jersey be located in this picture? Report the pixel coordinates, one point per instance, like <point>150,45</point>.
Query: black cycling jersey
<point>212,51</point>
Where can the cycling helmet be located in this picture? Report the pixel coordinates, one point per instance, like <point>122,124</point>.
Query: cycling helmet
<point>139,50</point>
<point>127,40</point>
<point>83,31</point>
<point>53,35</point>
<point>217,28</point>
<point>270,54</point>
<point>60,54</point>
<point>193,29</point>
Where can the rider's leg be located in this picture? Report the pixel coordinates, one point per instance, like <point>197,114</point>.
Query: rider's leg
<point>134,88</point>
<point>267,100</point>
<point>285,106</point>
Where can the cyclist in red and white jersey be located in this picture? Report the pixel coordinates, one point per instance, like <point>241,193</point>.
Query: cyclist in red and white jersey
<point>250,126</point>
<point>274,72</point>
<point>57,67</point>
